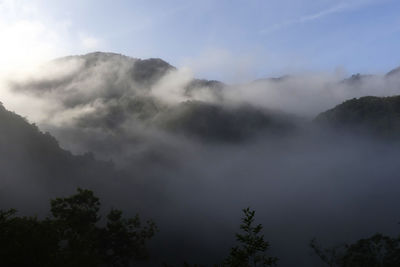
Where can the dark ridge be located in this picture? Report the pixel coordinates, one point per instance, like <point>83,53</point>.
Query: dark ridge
<point>273,79</point>
<point>356,78</point>
<point>370,115</point>
<point>205,83</point>
<point>97,56</point>
<point>114,115</point>
<point>33,159</point>
<point>393,72</point>
<point>211,122</point>
<point>150,70</point>
<point>144,72</point>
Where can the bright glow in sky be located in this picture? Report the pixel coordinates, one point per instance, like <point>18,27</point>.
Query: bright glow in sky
<point>228,40</point>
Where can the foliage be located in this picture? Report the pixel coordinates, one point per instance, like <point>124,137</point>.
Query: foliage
<point>252,248</point>
<point>123,241</point>
<point>72,236</point>
<point>377,116</point>
<point>376,251</point>
<point>26,241</point>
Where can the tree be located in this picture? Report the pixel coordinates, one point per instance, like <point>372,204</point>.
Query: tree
<point>76,218</point>
<point>329,256</point>
<point>252,248</point>
<point>73,236</point>
<point>376,251</point>
<point>26,241</point>
<point>125,239</point>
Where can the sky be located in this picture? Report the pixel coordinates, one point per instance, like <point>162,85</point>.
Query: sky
<point>228,40</point>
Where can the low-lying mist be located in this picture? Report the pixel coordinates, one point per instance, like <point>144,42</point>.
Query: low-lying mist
<point>192,153</point>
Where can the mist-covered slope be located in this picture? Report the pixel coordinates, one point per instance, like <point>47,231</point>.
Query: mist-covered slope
<point>393,73</point>
<point>117,106</point>
<point>371,115</point>
<point>32,164</point>
<point>211,122</point>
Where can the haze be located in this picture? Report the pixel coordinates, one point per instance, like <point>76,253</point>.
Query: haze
<point>188,111</point>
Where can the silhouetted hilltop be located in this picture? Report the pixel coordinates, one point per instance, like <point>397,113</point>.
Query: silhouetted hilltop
<point>150,70</point>
<point>145,71</point>
<point>107,73</point>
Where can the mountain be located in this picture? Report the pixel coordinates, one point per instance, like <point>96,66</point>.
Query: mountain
<point>211,122</point>
<point>116,72</point>
<point>356,79</point>
<point>32,164</point>
<point>119,95</point>
<point>273,79</point>
<point>185,151</point>
<point>372,115</point>
<point>393,72</point>
<point>123,98</point>
<point>215,87</point>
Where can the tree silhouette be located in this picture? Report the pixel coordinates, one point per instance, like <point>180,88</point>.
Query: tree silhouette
<point>26,241</point>
<point>72,236</point>
<point>252,248</point>
<point>376,251</point>
<point>125,239</point>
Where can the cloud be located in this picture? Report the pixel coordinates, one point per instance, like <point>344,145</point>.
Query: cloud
<point>24,43</point>
<point>301,185</point>
<point>30,37</point>
<point>171,87</point>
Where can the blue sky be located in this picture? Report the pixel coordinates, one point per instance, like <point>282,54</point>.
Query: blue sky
<point>220,39</point>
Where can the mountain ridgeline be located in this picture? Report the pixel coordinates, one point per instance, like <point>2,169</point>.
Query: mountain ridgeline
<point>31,161</point>
<point>111,92</point>
<point>376,116</point>
<point>115,92</point>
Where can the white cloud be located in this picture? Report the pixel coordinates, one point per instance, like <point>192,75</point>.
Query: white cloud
<point>29,36</point>
<point>25,37</point>
<point>24,43</point>
<point>171,87</point>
